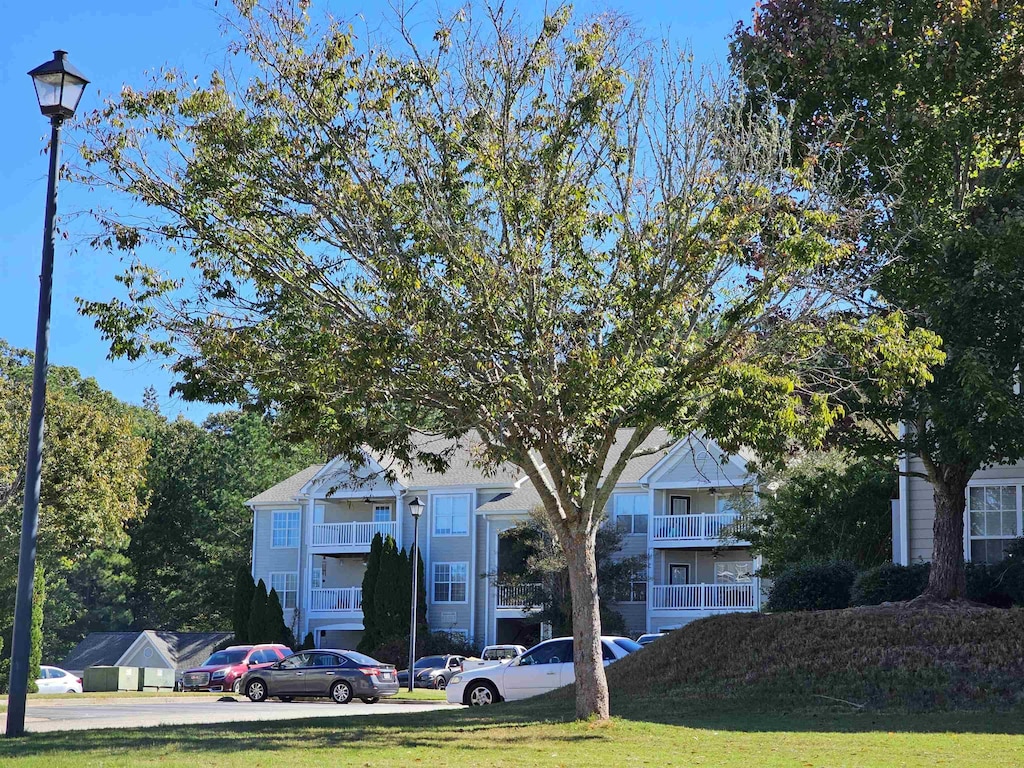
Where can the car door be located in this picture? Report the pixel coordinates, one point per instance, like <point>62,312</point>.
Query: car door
<point>46,683</point>
<point>537,671</point>
<point>289,679</point>
<point>324,671</point>
<point>454,665</point>
<point>569,668</point>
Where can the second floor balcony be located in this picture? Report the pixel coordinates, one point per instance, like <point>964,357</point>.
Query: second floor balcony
<point>350,537</point>
<point>336,600</point>
<point>521,597</point>
<point>704,529</point>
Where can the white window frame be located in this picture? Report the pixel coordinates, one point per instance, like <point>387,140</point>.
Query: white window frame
<point>632,591</point>
<point>1018,485</point>
<point>632,515</point>
<point>287,514</point>
<point>383,508</point>
<point>434,582</point>
<point>728,499</point>
<point>436,516</point>
<point>284,592</point>
<point>734,562</point>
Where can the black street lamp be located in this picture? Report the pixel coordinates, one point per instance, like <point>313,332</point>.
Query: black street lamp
<point>415,509</point>
<point>59,87</point>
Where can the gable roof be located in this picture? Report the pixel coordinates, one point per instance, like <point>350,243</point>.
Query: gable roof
<point>183,649</point>
<point>286,491</point>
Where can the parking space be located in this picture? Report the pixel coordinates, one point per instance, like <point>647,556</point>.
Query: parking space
<point>86,714</point>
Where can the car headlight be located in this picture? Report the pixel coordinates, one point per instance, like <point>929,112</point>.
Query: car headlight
<point>455,680</point>
<point>218,675</point>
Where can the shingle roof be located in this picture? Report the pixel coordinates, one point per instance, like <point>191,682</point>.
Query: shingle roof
<point>99,649</point>
<point>285,491</point>
<point>522,499</point>
<point>188,649</point>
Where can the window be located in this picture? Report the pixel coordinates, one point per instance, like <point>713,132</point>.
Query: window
<point>451,515</point>
<point>678,573</point>
<point>739,572</point>
<point>630,512</point>
<point>635,591</point>
<point>450,581</point>
<point>296,661</point>
<point>551,652</point>
<point>265,656</point>
<point>994,519</point>
<point>728,505</point>
<point>284,529</point>
<point>382,514</point>
<point>287,586</point>
<point>326,660</point>
<point>679,505</point>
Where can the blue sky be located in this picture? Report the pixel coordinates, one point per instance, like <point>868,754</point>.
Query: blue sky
<point>115,42</point>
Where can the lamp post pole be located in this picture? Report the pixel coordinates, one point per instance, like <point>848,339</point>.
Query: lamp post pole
<point>416,507</point>
<point>59,87</point>
<point>21,641</point>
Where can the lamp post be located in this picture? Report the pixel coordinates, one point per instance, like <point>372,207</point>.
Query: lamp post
<point>59,88</point>
<point>416,509</point>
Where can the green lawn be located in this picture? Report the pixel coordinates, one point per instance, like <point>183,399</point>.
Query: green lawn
<point>539,734</point>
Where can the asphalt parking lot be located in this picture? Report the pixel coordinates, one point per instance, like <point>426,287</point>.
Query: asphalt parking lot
<point>85,714</point>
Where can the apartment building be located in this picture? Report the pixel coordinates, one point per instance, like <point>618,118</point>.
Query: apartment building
<point>312,535</point>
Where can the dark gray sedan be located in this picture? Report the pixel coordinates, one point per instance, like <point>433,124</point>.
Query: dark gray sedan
<point>337,675</point>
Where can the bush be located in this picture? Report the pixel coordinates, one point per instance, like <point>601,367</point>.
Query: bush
<point>817,587</point>
<point>889,583</point>
<point>427,644</point>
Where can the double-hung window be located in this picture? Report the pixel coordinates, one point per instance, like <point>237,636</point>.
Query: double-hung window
<point>382,513</point>
<point>287,586</point>
<point>630,511</point>
<point>284,528</point>
<point>450,581</point>
<point>994,519</point>
<point>451,514</point>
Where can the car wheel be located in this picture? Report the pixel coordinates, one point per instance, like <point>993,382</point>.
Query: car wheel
<point>441,683</point>
<point>370,699</point>
<point>236,687</point>
<point>256,690</point>
<point>72,690</point>
<point>341,692</point>
<point>481,694</point>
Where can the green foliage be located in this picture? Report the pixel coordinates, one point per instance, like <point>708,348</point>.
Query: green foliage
<point>371,632</point>
<point>889,582</point>
<point>308,643</point>
<point>244,589</point>
<point>922,96</point>
<point>825,506</point>
<point>258,614</point>
<point>396,650</point>
<point>387,598</point>
<point>35,648</point>
<point>275,630</point>
<point>814,587</point>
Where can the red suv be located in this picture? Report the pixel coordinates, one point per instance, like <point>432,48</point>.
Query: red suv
<point>223,671</point>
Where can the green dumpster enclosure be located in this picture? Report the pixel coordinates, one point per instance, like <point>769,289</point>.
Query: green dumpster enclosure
<point>155,678</point>
<point>111,679</point>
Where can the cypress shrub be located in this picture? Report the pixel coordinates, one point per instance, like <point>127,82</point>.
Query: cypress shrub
<point>258,614</point>
<point>244,589</point>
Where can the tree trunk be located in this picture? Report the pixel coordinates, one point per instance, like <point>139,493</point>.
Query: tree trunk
<point>591,684</point>
<point>947,579</point>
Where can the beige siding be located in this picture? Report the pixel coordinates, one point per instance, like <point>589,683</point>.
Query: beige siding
<point>701,500</point>
<point>701,562</point>
<point>479,581</point>
<point>448,549</point>
<point>344,571</point>
<point>138,657</point>
<point>635,616</point>
<point>265,558</point>
<point>698,467</point>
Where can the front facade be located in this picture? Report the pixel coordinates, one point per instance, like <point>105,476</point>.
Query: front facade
<point>312,535</point>
<point>992,513</point>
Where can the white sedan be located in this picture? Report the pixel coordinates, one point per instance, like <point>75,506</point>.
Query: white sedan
<point>543,668</point>
<point>56,680</point>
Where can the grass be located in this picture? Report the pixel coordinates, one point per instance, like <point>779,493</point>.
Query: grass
<point>539,733</point>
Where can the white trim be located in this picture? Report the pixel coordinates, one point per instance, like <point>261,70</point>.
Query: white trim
<point>488,586</point>
<point>136,644</point>
<point>252,552</point>
<point>270,586</point>
<point>632,517</point>
<point>670,565</point>
<point>471,571</point>
<point>469,495</point>
<point>298,544</point>
<point>904,493</point>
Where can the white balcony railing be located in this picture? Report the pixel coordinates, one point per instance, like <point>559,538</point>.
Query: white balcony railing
<point>341,599</point>
<point>691,527</point>
<point>703,597</point>
<point>519,595</point>
<point>353,535</point>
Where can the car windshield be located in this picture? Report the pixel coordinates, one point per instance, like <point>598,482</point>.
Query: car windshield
<point>362,658</point>
<point>627,645</point>
<point>430,661</point>
<point>225,657</point>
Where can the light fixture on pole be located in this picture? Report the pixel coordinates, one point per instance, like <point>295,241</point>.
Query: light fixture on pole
<point>59,88</point>
<point>415,509</point>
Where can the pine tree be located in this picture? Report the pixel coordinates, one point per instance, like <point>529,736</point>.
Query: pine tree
<point>403,604</point>
<point>244,589</point>
<point>370,576</point>
<point>257,614</point>
<point>276,631</point>
<point>421,596</point>
<point>35,650</point>
<point>308,643</point>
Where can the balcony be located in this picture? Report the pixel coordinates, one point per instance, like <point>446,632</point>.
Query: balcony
<point>703,528</point>
<point>336,600</point>
<point>703,597</point>
<point>350,537</point>
<point>519,597</point>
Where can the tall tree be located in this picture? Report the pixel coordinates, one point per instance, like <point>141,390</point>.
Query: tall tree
<point>924,95</point>
<point>258,612</point>
<point>371,635</point>
<point>523,236</point>
<point>244,588</point>
<point>276,631</point>
<point>35,649</point>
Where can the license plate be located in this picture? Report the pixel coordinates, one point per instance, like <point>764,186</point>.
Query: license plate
<point>385,675</point>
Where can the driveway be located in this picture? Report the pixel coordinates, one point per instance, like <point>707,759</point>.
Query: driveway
<point>87,714</point>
